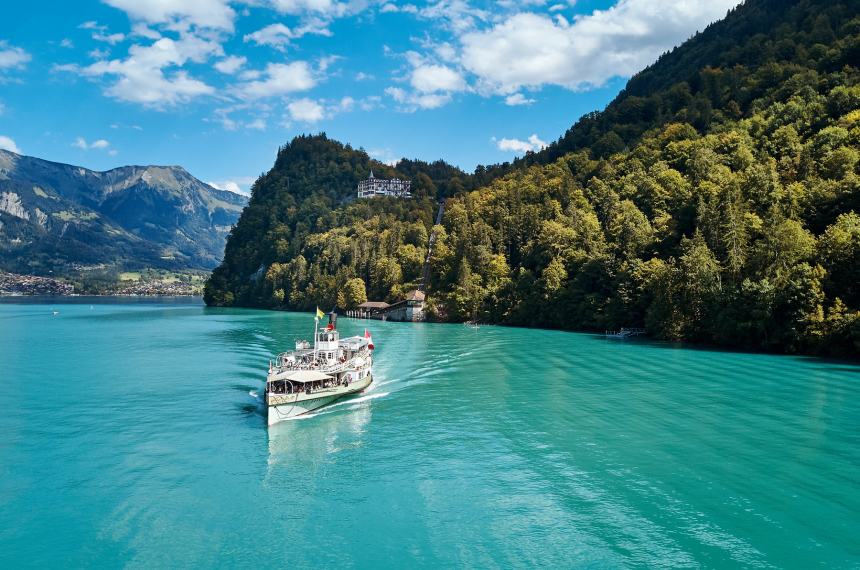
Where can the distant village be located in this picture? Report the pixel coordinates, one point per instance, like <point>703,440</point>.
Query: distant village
<point>160,288</point>
<point>13,284</point>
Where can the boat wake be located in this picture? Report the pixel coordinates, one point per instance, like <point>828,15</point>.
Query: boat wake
<point>359,400</point>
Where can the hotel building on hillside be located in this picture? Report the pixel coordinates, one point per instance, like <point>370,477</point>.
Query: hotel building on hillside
<point>373,187</point>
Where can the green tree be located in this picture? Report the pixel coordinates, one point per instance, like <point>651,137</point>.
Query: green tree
<point>354,293</point>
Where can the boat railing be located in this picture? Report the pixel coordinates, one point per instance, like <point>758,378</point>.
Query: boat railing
<point>304,360</point>
<point>286,387</point>
<point>347,364</point>
<point>293,359</point>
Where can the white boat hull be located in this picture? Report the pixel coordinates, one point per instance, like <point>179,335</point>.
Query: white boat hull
<point>285,406</point>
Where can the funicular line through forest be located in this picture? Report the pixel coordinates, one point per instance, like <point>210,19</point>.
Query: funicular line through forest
<point>423,286</point>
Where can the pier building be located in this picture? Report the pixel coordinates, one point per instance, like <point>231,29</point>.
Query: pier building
<point>410,309</point>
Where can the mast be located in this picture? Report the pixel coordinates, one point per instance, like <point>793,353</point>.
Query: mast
<point>316,333</point>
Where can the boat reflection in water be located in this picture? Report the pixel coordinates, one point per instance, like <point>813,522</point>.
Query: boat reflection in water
<point>295,446</point>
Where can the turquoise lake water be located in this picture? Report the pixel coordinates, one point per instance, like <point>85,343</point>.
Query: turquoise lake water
<point>130,437</point>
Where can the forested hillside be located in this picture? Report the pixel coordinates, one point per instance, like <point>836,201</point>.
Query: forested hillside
<point>721,208</point>
<point>303,236</point>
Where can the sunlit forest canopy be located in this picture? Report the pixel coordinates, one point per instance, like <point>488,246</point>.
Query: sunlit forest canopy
<point>716,200</point>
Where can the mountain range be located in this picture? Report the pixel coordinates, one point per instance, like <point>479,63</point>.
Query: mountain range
<point>54,214</point>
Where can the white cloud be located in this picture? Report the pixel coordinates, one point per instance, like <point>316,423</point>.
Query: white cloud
<point>431,101</point>
<point>12,56</point>
<point>371,102</point>
<point>141,77</point>
<point>412,101</point>
<point>446,51</point>
<point>400,95</point>
<point>226,185</point>
<point>455,15</point>
<point>557,7</point>
<point>389,7</point>
<point>518,99</point>
<point>346,104</point>
<point>517,3</point>
<point>114,126</point>
<point>92,26</point>
<point>136,127</point>
<point>81,143</point>
<point>278,35</point>
<point>8,144</point>
<point>432,84</point>
<point>306,110</point>
<point>99,54</point>
<point>362,76</point>
<point>259,125</point>
<point>310,111</point>
<point>213,14</point>
<point>112,152</point>
<point>142,30</point>
<point>530,50</point>
<point>250,74</point>
<point>282,79</point>
<point>327,61</point>
<point>328,8</point>
<point>515,145</point>
<point>66,43</point>
<point>431,78</point>
<point>111,39</point>
<point>231,64</point>
<point>232,184</point>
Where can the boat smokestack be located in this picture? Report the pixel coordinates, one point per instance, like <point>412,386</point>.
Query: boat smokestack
<point>332,320</point>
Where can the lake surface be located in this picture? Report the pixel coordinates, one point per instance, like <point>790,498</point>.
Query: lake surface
<point>131,437</point>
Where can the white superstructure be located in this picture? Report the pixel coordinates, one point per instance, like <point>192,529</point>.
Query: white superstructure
<point>305,379</point>
<point>375,187</point>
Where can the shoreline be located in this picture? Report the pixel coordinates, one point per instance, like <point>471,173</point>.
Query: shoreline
<point>4,294</point>
<point>667,343</point>
<point>647,339</point>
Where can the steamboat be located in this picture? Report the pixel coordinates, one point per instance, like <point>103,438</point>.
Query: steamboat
<point>308,378</point>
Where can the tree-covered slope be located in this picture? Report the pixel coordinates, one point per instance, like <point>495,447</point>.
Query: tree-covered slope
<point>729,215</point>
<point>708,78</point>
<point>304,208</point>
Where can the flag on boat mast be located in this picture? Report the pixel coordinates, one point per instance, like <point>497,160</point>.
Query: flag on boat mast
<point>369,340</point>
<point>320,315</point>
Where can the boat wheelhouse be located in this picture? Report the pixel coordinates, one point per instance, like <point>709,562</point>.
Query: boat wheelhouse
<point>307,378</point>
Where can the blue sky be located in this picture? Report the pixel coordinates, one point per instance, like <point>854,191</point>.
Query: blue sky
<point>216,86</point>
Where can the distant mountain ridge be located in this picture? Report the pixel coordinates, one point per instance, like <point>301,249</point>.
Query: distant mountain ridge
<point>156,214</point>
